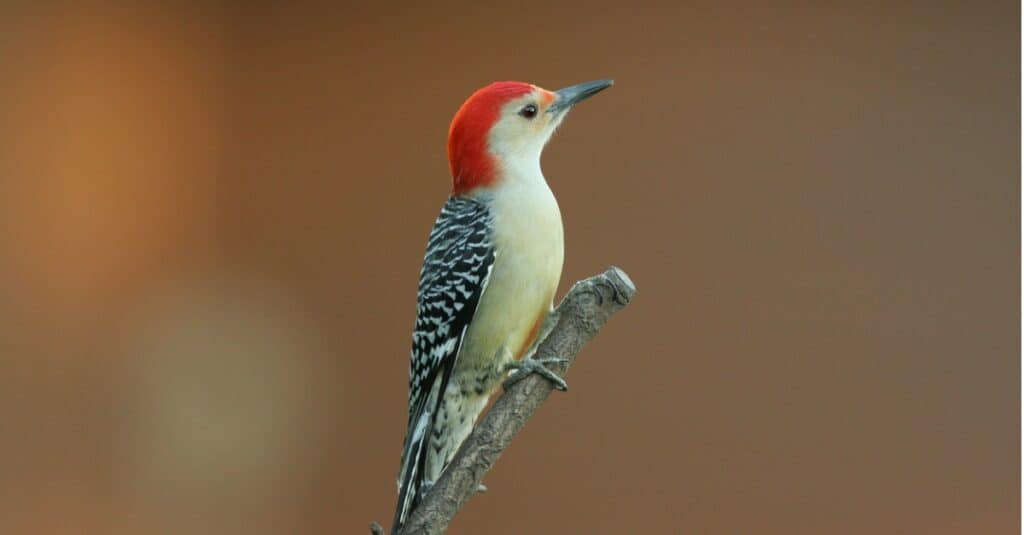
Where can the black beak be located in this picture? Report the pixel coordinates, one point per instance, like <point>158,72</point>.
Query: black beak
<point>569,96</point>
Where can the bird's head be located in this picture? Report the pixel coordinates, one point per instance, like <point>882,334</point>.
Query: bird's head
<point>503,127</point>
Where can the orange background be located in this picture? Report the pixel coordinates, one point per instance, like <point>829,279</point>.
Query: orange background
<point>213,216</point>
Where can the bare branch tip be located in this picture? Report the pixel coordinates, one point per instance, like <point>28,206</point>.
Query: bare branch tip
<point>621,284</point>
<point>622,276</point>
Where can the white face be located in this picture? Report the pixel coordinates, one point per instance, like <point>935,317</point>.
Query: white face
<point>523,128</point>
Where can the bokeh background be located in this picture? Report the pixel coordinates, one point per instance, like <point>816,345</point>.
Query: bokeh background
<point>212,217</point>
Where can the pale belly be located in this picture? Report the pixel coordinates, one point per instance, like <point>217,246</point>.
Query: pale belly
<point>516,301</point>
<point>529,251</point>
<point>527,266</point>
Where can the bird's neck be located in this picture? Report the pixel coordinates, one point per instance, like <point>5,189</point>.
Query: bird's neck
<point>522,173</point>
<point>517,181</point>
<point>521,196</point>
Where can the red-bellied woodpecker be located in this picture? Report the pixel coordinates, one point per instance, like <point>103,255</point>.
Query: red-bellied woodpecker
<point>489,275</point>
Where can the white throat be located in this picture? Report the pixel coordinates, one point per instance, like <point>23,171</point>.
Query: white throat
<point>523,202</point>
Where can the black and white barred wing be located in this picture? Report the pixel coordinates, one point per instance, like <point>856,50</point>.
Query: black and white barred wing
<point>455,271</point>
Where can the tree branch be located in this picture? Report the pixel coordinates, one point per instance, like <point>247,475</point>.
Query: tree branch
<point>579,317</point>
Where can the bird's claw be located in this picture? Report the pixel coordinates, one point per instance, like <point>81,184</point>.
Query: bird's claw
<point>529,366</point>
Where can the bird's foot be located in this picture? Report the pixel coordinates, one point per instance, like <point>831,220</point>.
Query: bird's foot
<point>525,367</point>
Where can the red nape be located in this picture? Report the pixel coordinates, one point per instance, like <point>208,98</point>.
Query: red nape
<point>470,163</point>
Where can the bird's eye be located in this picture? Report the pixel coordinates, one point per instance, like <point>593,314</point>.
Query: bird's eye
<point>529,111</point>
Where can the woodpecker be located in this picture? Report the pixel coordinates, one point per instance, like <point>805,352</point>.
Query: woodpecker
<point>492,264</point>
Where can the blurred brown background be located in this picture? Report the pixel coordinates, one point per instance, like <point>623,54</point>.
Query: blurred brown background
<point>212,218</point>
